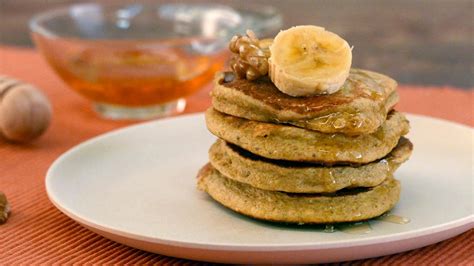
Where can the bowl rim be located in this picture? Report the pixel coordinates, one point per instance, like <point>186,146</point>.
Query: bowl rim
<point>272,23</point>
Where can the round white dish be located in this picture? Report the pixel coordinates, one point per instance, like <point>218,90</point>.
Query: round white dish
<point>137,186</point>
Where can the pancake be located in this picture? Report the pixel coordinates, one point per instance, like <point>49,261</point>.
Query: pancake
<point>359,107</point>
<point>243,166</point>
<point>286,142</point>
<point>344,206</point>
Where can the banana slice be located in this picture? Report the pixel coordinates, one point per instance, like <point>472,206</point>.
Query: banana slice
<point>308,60</point>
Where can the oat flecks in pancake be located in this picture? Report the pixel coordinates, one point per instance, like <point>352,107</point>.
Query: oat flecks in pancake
<point>276,175</point>
<point>360,107</point>
<point>290,208</point>
<point>285,142</point>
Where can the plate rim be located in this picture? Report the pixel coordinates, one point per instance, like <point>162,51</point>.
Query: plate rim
<point>467,221</point>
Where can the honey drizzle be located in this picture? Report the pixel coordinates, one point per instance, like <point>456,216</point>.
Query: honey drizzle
<point>329,228</point>
<point>392,218</point>
<point>362,228</point>
<point>129,73</point>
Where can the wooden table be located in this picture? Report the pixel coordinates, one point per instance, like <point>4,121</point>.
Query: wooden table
<point>425,42</point>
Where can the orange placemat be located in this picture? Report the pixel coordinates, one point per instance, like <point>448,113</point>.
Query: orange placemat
<point>38,233</point>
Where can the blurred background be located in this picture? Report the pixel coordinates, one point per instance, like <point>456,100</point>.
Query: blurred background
<point>428,42</point>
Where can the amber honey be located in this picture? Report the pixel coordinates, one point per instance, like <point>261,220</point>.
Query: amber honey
<point>131,73</point>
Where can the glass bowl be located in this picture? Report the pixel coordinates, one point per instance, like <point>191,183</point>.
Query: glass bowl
<point>138,61</point>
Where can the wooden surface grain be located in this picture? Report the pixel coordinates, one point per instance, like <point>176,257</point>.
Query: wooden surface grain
<point>427,42</point>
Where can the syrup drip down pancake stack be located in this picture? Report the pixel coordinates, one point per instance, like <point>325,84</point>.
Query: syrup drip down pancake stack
<point>302,137</point>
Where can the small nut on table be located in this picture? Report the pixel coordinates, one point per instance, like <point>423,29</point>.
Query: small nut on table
<point>25,112</point>
<point>4,208</point>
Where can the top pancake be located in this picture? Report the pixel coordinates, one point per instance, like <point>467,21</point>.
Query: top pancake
<point>359,107</point>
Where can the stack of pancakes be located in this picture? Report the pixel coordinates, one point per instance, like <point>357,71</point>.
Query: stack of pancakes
<point>319,159</point>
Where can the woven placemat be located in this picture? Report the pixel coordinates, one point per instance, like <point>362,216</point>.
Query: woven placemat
<point>38,233</point>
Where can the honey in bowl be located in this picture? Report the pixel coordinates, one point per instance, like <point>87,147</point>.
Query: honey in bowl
<point>131,73</point>
<point>140,60</point>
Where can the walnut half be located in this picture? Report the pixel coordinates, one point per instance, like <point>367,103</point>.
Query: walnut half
<point>250,59</point>
<point>4,208</point>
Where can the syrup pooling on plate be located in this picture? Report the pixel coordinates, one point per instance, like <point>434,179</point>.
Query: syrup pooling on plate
<point>357,228</point>
<point>362,228</point>
<point>329,228</point>
<point>392,218</point>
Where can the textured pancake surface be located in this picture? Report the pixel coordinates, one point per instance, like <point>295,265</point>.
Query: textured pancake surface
<point>286,142</point>
<point>359,107</point>
<point>344,206</point>
<point>243,166</point>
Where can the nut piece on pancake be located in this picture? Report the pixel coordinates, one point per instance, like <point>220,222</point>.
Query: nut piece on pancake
<point>301,61</point>
<point>250,59</point>
<point>303,138</point>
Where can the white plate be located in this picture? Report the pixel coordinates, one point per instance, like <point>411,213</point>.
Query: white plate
<point>137,186</point>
